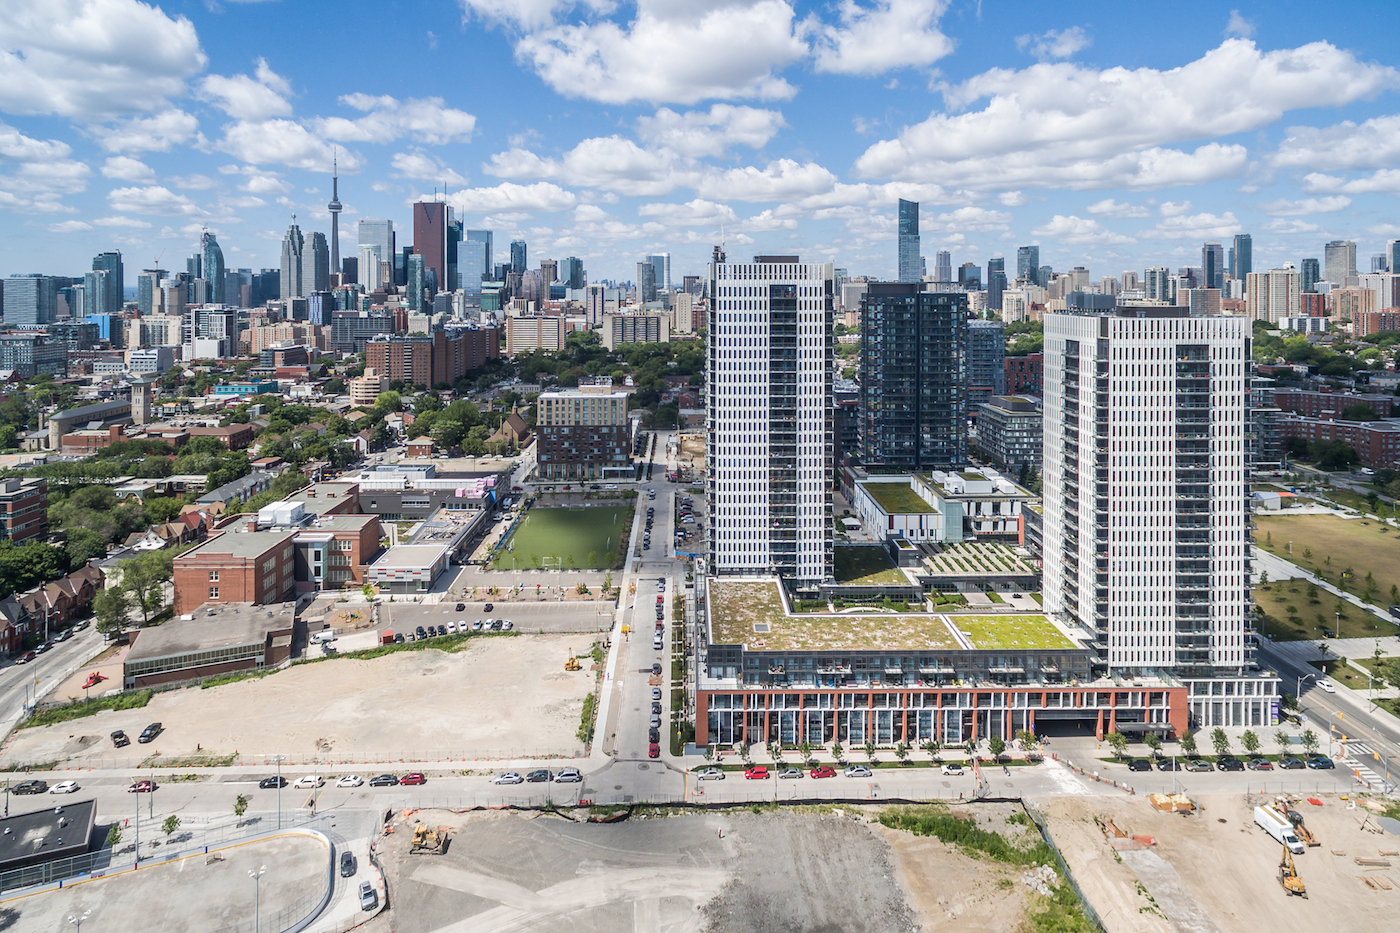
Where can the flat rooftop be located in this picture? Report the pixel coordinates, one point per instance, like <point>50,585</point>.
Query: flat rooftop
<point>751,613</point>
<point>246,544</point>
<point>59,830</point>
<point>211,628</point>
<point>410,557</point>
<point>867,565</point>
<point>896,498</point>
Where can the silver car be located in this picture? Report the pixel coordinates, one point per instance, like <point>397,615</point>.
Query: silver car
<point>369,898</point>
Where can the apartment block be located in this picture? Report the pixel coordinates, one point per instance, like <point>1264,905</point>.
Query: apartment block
<point>24,509</point>
<point>583,433</point>
<point>1009,430</point>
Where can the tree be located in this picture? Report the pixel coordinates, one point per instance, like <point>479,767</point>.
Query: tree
<point>1027,739</point>
<point>1118,742</point>
<point>144,577</point>
<point>240,805</point>
<point>1153,741</point>
<point>1250,741</point>
<point>1282,740</point>
<point>172,823</point>
<point>836,751</point>
<point>389,401</point>
<point>1309,738</point>
<point>869,750</point>
<point>1220,741</point>
<point>901,751</point>
<point>1188,743</point>
<point>932,746</point>
<point>996,745</point>
<point>26,566</point>
<point>113,607</point>
<point>804,748</point>
<point>114,835</point>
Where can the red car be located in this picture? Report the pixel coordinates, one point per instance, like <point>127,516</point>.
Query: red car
<point>415,777</point>
<point>756,773</point>
<point>142,787</point>
<point>26,657</point>
<point>653,750</point>
<point>824,771</point>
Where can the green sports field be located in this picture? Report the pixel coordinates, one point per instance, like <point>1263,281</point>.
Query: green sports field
<point>582,538</point>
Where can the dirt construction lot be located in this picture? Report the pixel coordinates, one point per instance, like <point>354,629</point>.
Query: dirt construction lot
<point>1216,871</point>
<point>821,870</point>
<point>498,697</point>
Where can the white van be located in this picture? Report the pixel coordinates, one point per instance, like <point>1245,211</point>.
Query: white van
<point>323,637</point>
<point>656,641</point>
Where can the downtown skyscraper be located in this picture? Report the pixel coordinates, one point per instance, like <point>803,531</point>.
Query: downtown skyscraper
<point>430,221</point>
<point>212,263</point>
<point>1146,480</point>
<point>768,413</point>
<point>1028,264</point>
<point>910,259</point>
<point>913,391</point>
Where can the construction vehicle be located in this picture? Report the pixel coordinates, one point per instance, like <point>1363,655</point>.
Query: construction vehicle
<point>1288,875</point>
<point>433,841</point>
<point>572,664</point>
<point>1277,825</point>
<point>1304,834</point>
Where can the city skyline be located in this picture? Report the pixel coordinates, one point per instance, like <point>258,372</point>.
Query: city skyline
<point>1038,133</point>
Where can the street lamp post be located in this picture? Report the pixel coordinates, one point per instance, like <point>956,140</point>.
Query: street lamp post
<point>1298,690</point>
<point>256,874</point>
<point>77,921</point>
<point>279,791</point>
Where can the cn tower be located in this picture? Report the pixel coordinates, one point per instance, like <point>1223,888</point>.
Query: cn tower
<point>335,208</point>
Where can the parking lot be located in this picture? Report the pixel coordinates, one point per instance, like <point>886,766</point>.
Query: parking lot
<point>527,615</point>
<point>498,697</point>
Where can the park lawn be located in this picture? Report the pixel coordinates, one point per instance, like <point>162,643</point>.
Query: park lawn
<point>1275,598</point>
<point>870,565</point>
<point>1361,545</point>
<point>1343,673</point>
<point>581,537</point>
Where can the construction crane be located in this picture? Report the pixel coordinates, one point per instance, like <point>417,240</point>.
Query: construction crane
<point>1288,875</point>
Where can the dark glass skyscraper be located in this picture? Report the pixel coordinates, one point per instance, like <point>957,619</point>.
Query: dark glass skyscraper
<point>1244,256</point>
<point>1028,264</point>
<point>111,301</point>
<point>996,282</point>
<point>913,401</point>
<point>1312,271</point>
<point>519,261</point>
<point>430,220</point>
<point>910,267</point>
<point>212,262</point>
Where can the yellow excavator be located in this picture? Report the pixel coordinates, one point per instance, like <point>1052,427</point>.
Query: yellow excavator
<point>1288,875</point>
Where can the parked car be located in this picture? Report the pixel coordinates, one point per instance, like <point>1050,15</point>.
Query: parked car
<point>272,782</point>
<point>756,773</point>
<point>420,632</point>
<point>1168,764</point>
<point>149,733</point>
<point>568,776</point>
<point>384,780</point>
<point>952,769</point>
<point>120,739</point>
<point>510,777</point>
<point>858,771</point>
<point>452,628</point>
<point>369,898</point>
<point>825,771</point>
<point>654,750</point>
<point>413,777</point>
<point>142,787</point>
<point>476,626</point>
<point>1291,763</point>
<point>1229,763</point>
<point>64,787</point>
<point>461,607</point>
<point>1259,764</point>
<point>310,780</point>
<point>538,775</point>
<point>656,693</point>
<point>489,607</point>
<point>29,787</point>
<point>507,624</point>
<point>350,780</point>
<point>1139,764</point>
<point>1198,765</point>
<point>655,669</point>
<point>442,630</point>
<point>789,774</point>
<point>710,774</point>
<point>398,638</point>
<point>26,657</point>
<point>1321,763</point>
<point>347,865</point>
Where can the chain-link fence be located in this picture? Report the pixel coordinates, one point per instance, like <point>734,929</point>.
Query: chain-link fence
<point>1042,824</point>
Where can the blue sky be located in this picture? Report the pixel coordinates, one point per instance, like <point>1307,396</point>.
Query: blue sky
<point>1114,135</point>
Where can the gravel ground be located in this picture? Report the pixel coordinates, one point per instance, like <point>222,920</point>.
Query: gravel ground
<point>500,697</point>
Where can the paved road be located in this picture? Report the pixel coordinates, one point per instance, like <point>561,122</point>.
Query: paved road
<point>20,683</point>
<point>1356,721</point>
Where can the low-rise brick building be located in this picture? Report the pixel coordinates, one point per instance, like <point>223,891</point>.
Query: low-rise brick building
<point>24,508</point>
<point>583,433</point>
<point>256,567</point>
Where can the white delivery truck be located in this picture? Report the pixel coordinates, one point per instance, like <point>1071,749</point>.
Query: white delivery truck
<point>1277,825</point>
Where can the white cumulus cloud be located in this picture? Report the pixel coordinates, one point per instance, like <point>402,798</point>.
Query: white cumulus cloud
<point>249,98</point>
<point>508,196</point>
<point>125,168</point>
<point>1108,207</point>
<point>1081,230</point>
<point>697,133</point>
<point>1055,43</point>
<point>93,59</point>
<point>1196,226</point>
<point>698,212</point>
<point>1305,206</point>
<point>420,166</point>
<point>878,37</point>
<point>152,199</point>
<point>282,142</point>
<point>156,133</point>
<point>427,120</point>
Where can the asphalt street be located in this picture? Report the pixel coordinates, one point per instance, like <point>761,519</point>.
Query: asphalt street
<point>20,683</point>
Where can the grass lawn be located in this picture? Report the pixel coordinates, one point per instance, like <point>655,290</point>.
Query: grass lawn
<point>584,537</point>
<point>865,565</point>
<point>1330,546</point>
<point>896,498</point>
<point>990,633</point>
<point>1291,615</point>
<point>1343,673</point>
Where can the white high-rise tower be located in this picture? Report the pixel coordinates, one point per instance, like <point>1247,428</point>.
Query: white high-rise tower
<point>1146,478</point>
<point>768,391</point>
